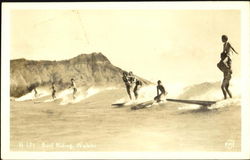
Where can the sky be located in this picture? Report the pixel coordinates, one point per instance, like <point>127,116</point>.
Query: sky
<point>175,46</point>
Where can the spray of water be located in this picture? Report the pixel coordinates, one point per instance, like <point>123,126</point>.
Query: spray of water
<point>67,95</point>
<point>216,95</point>
<point>42,92</point>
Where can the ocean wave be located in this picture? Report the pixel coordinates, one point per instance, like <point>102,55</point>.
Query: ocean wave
<point>41,92</point>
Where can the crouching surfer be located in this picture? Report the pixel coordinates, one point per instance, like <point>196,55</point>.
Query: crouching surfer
<point>225,65</point>
<point>161,92</point>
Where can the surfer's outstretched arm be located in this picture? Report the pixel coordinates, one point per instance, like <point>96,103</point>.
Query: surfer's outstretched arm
<point>233,49</point>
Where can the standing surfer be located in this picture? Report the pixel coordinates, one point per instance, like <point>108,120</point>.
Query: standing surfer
<point>126,80</point>
<point>131,83</point>
<point>35,92</point>
<point>135,84</point>
<point>138,85</point>
<point>73,85</point>
<point>225,65</point>
<point>53,90</point>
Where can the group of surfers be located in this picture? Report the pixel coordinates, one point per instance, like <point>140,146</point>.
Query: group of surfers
<point>72,85</point>
<point>133,84</point>
<point>225,65</point>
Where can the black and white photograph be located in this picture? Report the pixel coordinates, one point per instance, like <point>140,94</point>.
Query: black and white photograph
<point>125,77</point>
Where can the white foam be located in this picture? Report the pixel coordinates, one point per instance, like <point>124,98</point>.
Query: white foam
<point>189,107</point>
<point>41,92</point>
<point>67,95</point>
<point>225,103</point>
<point>218,104</point>
<point>216,94</point>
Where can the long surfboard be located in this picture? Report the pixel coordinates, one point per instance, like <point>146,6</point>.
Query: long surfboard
<point>118,104</point>
<point>203,103</point>
<point>147,103</point>
<point>142,105</point>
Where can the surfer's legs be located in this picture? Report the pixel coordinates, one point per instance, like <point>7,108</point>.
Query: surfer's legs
<point>158,98</point>
<point>54,94</point>
<point>135,92</point>
<point>223,85</point>
<point>136,89</point>
<point>227,89</point>
<point>128,91</point>
<point>74,93</point>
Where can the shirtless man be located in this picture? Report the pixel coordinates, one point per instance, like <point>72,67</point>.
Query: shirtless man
<point>161,92</point>
<point>225,65</point>
<point>226,62</point>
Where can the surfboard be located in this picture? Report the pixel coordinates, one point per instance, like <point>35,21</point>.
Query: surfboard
<point>203,103</point>
<point>118,104</point>
<point>149,103</point>
<point>142,105</point>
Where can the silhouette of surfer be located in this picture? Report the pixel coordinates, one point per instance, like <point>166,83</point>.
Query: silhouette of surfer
<point>131,83</point>
<point>161,92</point>
<point>127,82</point>
<point>35,92</point>
<point>225,65</point>
<point>73,85</point>
<point>135,84</point>
<point>138,85</point>
<point>53,90</point>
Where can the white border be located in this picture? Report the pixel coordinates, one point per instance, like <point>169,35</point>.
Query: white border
<point>5,83</point>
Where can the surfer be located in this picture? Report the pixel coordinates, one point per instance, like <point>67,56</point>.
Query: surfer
<point>225,84</point>
<point>225,65</point>
<point>35,92</point>
<point>126,80</point>
<point>161,92</point>
<point>131,77</point>
<point>73,85</point>
<point>226,62</point>
<point>135,84</point>
<point>53,90</point>
<point>138,85</point>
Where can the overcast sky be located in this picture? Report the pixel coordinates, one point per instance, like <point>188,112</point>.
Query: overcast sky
<point>171,45</point>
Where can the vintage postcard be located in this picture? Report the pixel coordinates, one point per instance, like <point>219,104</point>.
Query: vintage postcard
<point>125,80</point>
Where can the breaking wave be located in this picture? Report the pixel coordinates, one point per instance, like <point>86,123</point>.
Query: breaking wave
<point>214,94</point>
<point>42,92</point>
<point>208,91</point>
<point>67,95</point>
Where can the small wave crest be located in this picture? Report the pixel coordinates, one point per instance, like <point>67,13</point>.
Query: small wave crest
<point>67,95</point>
<point>41,92</point>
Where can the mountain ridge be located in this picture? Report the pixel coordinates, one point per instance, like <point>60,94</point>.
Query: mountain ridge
<point>86,69</point>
